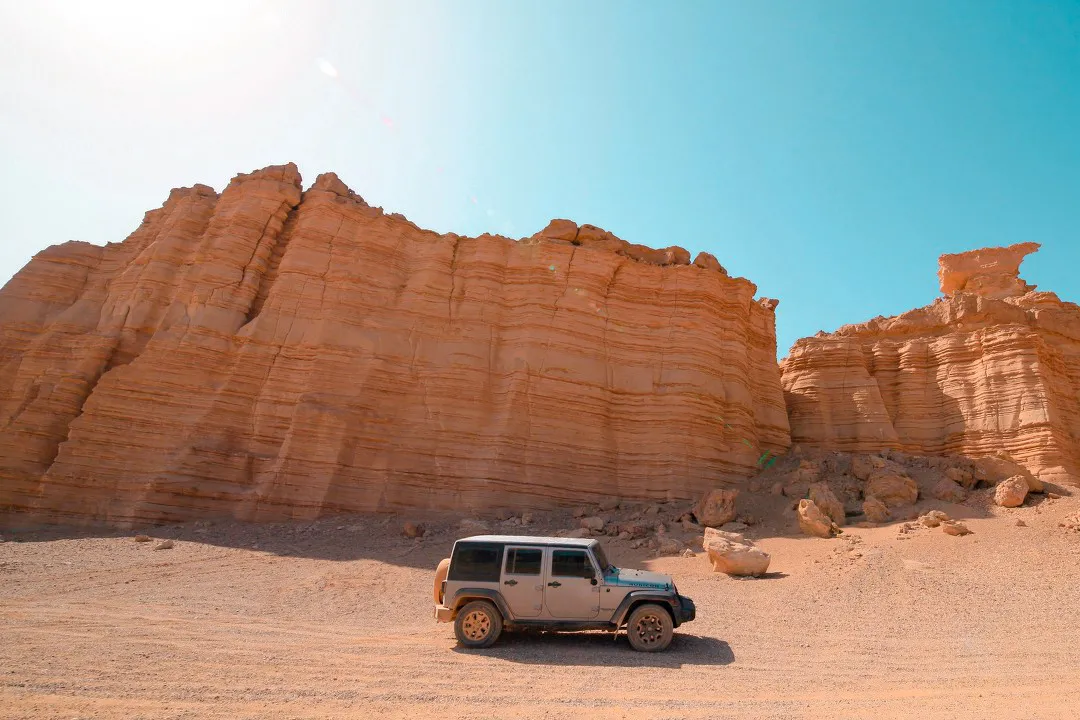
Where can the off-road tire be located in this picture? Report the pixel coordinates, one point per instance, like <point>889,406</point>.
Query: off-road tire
<point>440,575</point>
<point>649,628</point>
<point>478,624</point>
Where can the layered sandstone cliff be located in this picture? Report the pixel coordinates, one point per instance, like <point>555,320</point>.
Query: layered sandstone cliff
<point>991,366</point>
<point>269,353</point>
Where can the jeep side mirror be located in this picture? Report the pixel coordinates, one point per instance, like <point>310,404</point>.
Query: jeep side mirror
<point>590,572</point>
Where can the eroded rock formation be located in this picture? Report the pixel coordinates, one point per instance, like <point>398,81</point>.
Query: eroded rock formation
<point>269,353</point>
<point>993,366</point>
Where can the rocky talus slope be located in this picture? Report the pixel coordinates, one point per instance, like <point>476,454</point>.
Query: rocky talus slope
<point>993,365</point>
<point>270,353</point>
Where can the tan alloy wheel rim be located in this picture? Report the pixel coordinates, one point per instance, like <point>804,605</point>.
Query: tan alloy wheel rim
<point>649,629</point>
<point>476,625</point>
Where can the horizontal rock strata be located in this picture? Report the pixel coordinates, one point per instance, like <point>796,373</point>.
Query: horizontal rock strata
<point>269,353</point>
<point>993,366</point>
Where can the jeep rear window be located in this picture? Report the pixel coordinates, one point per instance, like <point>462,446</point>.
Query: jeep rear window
<point>569,563</point>
<point>522,561</point>
<point>475,562</point>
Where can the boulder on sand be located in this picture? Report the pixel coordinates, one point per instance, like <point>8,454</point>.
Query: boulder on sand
<point>933,518</point>
<point>827,502</point>
<point>732,554</point>
<point>1011,492</point>
<point>892,488</point>
<point>861,467</point>
<point>949,491</point>
<point>634,529</point>
<point>593,523</point>
<point>668,546</point>
<point>875,510</point>
<point>716,508</point>
<point>961,477</point>
<point>714,534</point>
<point>813,521</point>
<point>951,527</point>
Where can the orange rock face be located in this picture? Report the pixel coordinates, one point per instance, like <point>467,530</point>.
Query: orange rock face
<point>992,366</point>
<point>990,272</point>
<point>269,353</point>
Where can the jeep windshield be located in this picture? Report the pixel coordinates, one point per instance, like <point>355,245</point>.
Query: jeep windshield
<point>602,561</point>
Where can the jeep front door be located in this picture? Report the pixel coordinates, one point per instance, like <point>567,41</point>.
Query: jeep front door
<point>571,591</point>
<point>523,581</point>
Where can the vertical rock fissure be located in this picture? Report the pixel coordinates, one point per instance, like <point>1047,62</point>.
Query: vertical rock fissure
<point>91,385</point>
<point>277,253</point>
<point>453,280</point>
<point>30,397</point>
<point>607,321</point>
<point>329,263</point>
<point>255,249</point>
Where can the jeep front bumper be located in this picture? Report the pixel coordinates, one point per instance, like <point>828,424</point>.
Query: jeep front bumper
<point>687,610</point>
<point>444,614</point>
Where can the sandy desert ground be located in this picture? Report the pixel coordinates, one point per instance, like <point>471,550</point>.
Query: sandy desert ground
<point>333,620</point>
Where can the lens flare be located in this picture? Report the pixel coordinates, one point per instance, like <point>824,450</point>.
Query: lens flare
<point>326,68</point>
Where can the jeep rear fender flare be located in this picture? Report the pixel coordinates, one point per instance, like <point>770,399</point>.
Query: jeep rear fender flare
<point>643,596</point>
<point>466,595</point>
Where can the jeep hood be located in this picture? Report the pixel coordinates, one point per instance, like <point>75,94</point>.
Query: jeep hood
<point>639,579</point>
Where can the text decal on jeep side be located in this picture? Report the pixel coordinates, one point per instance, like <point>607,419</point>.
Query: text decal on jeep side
<point>637,579</point>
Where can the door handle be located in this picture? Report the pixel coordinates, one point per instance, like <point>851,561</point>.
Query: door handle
<point>555,584</point>
<point>510,582</point>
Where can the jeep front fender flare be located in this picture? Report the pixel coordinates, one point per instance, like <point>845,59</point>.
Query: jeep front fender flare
<point>660,598</point>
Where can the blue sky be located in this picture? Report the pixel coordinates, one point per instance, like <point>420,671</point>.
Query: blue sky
<point>827,150</point>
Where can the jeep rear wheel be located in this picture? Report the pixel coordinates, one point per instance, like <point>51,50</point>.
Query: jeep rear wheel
<point>649,628</point>
<point>478,624</point>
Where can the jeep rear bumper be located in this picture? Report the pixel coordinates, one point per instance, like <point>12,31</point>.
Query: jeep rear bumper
<point>444,614</point>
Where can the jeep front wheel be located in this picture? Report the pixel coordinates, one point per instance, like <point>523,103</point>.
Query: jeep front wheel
<point>478,624</point>
<point>649,628</point>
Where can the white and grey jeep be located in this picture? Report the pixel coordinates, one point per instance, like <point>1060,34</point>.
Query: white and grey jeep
<point>492,582</point>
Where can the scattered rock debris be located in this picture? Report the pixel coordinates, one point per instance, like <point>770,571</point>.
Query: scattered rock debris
<point>953,527</point>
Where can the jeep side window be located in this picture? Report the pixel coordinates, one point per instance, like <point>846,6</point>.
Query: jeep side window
<point>474,562</point>
<point>570,563</point>
<point>522,561</point>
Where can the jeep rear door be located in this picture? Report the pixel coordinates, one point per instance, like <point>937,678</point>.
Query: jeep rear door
<point>571,591</point>
<point>523,580</point>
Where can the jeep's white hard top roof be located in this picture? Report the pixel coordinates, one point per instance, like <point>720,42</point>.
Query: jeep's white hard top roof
<point>530,540</point>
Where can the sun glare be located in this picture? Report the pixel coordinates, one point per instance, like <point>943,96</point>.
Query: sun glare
<point>149,30</point>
